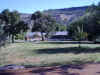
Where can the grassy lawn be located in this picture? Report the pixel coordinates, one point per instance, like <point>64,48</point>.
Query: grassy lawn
<point>46,54</point>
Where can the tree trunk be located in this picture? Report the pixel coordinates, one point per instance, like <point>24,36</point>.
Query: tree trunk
<point>79,44</point>
<point>42,36</point>
<point>9,36</point>
<point>47,36</point>
<point>12,39</point>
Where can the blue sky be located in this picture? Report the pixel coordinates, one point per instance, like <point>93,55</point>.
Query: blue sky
<point>30,6</point>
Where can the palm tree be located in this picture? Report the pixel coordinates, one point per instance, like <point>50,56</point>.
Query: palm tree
<point>80,34</point>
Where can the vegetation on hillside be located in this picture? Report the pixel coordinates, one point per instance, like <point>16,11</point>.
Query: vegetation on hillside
<point>90,22</point>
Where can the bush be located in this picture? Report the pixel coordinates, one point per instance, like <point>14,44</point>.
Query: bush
<point>19,36</point>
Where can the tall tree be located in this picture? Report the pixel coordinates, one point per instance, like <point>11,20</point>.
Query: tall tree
<point>5,17</point>
<point>43,23</point>
<point>13,24</point>
<point>2,35</point>
<point>79,34</point>
<point>90,21</point>
<point>15,18</point>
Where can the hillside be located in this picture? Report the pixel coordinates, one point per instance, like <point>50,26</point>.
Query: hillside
<point>63,16</point>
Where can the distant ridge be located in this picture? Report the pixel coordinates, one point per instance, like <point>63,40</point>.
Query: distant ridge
<point>70,9</point>
<point>63,16</point>
<point>66,15</point>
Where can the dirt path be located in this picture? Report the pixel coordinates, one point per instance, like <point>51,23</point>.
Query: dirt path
<point>87,69</point>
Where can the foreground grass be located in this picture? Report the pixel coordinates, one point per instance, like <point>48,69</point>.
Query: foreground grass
<point>46,54</point>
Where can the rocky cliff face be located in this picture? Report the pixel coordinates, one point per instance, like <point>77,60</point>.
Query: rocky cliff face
<point>67,15</point>
<point>63,16</point>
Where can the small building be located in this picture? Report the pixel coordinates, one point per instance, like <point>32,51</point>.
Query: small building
<point>55,36</point>
<point>61,33</point>
<point>33,36</point>
<point>60,36</point>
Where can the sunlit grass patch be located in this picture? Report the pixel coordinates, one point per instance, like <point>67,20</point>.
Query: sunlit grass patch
<point>45,53</point>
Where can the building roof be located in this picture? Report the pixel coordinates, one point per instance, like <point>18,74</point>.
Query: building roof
<point>61,33</point>
<point>30,34</point>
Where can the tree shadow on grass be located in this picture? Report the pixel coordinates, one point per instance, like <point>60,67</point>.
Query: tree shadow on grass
<point>75,50</point>
<point>67,42</point>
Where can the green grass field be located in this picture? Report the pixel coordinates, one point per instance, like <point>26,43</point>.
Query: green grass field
<point>47,54</point>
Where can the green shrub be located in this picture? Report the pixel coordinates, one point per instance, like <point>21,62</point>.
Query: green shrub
<point>19,36</point>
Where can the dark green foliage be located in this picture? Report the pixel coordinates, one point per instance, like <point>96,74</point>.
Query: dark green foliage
<point>1,27</point>
<point>13,25</point>
<point>21,27</point>
<point>11,20</point>
<point>90,22</point>
<point>5,16</point>
<point>92,8</point>
<point>79,34</point>
<point>2,35</point>
<point>36,15</point>
<point>60,27</point>
<point>19,36</point>
<point>43,23</point>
